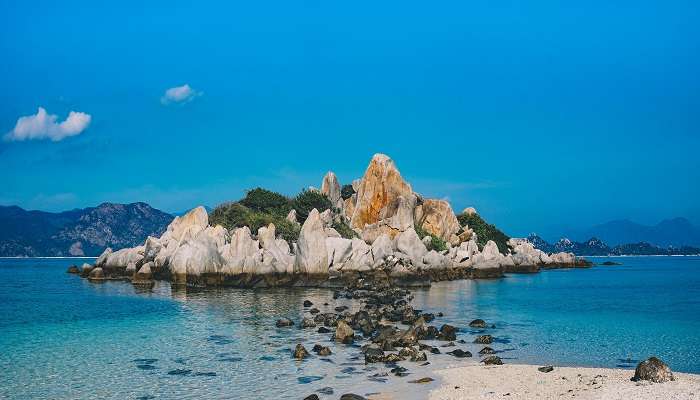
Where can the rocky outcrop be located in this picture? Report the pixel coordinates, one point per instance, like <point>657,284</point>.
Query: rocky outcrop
<point>311,254</point>
<point>437,218</point>
<point>384,201</point>
<point>383,212</point>
<point>331,188</point>
<point>653,370</point>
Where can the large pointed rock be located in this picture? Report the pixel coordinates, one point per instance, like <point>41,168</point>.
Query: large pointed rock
<point>331,188</point>
<point>241,254</point>
<point>410,244</point>
<point>437,218</point>
<point>311,255</point>
<point>385,202</point>
<point>195,217</point>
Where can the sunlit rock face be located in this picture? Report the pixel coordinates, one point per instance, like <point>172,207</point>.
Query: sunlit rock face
<point>437,218</point>
<point>312,255</point>
<point>331,188</point>
<point>385,202</point>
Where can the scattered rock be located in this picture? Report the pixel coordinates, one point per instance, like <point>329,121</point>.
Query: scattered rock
<point>653,370</point>
<point>323,329</point>
<point>308,303</point>
<point>307,323</point>
<point>487,350</point>
<point>546,369</point>
<point>492,360</point>
<point>351,396</point>
<point>73,269</point>
<point>448,332</point>
<point>344,333</point>
<point>284,322</point>
<point>422,380</point>
<point>311,397</point>
<point>459,353</point>
<point>484,339</point>
<point>478,323</point>
<point>300,352</point>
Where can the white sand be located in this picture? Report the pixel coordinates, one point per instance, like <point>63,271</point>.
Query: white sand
<point>526,382</point>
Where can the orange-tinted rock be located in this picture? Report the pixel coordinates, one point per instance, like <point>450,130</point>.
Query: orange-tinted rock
<point>384,199</point>
<point>437,218</point>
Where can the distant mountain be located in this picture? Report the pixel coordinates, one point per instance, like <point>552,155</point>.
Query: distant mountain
<point>79,232</point>
<point>671,232</point>
<point>596,247</point>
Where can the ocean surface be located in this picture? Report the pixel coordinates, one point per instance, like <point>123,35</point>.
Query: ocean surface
<point>62,337</point>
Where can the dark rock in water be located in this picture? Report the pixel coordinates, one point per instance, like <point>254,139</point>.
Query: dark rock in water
<point>611,263</point>
<point>323,329</point>
<point>205,374</point>
<point>344,333</point>
<point>267,358</point>
<point>231,359</point>
<point>419,357</point>
<point>399,371</point>
<point>146,367</point>
<point>351,396</point>
<point>324,351</point>
<point>392,357</point>
<point>448,332</point>
<point>180,372</point>
<point>307,323</point>
<point>308,379</point>
<point>422,380</point>
<point>487,350</point>
<point>433,350</point>
<point>284,322</point>
<point>73,269</point>
<point>373,355</point>
<point>459,353</point>
<point>326,390</point>
<point>146,360</point>
<point>492,360</point>
<point>308,303</point>
<point>312,397</point>
<point>341,308</point>
<point>478,323</point>
<point>314,311</point>
<point>546,369</point>
<point>300,352</point>
<point>484,339</point>
<point>449,344</point>
<point>653,370</point>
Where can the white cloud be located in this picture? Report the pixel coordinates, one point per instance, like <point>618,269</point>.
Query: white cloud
<point>43,125</point>
<point>179,94</point>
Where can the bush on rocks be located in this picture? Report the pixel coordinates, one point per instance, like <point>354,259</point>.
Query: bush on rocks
<point>307,200</point>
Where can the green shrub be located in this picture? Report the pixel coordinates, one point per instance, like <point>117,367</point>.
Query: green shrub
<point>344,229</point>
<point>346,192</point>
<point>266,201</point>
<point>436,243</point>
<point>485,231</point>
<point>236,215</point>
<point>307,200</point>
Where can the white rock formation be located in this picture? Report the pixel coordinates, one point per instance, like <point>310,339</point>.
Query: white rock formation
<point>312,255</point>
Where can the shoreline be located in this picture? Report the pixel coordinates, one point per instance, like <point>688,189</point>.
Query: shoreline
<point>524,381</point>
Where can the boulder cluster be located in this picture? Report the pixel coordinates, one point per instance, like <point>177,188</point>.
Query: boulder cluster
<point>385,216</point>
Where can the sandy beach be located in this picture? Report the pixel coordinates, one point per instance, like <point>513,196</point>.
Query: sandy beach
<point>526,382</point>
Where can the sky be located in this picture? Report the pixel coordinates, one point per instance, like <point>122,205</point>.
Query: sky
<point>544,115</point>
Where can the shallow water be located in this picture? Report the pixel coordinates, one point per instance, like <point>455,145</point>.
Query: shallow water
<point>63,337</point>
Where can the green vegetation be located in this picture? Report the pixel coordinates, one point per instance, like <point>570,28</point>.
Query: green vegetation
<point>236,215</point>
<point>260,207</point>
<point>436,243</point>
<point>484,231</point>
<point>307,200</point>
<point>346,192</point>
<point>266,201</point>
<point>344,230</point>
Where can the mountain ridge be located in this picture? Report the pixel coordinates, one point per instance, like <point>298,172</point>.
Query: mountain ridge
<point>78,232</point>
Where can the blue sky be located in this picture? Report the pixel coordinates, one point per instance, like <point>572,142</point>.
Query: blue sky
<point>543,115</point>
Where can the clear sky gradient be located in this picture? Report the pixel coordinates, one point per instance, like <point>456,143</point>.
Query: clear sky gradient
<point>543,115</point>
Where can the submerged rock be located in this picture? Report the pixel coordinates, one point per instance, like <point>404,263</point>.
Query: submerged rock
<point>73,269</point>
<point>300,352</point>
<point>284,322</point>
<point>484,339</point>
<point>344,333</point>
<point>653,370</point>
<point>478,323</point>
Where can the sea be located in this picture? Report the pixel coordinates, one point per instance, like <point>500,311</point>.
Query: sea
<point>62,337</point>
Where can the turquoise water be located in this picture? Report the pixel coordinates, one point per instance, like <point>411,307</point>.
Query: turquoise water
<point>63,337</point>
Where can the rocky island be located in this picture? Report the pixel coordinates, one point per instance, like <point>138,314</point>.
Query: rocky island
<point>377,228</point>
